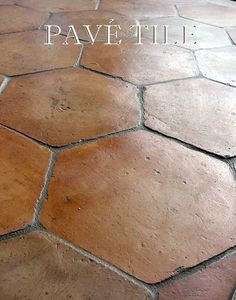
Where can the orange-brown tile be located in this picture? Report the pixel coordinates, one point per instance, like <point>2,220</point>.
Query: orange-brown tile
<point>197,111</point>
<point>36,266</point>
<point>25,52</point>
<point>93,18</point>
<point>143,203</point>
<point>62,107</point>
<point>138,9</point>
<point>23,168</point>
<point>216,282</point>
<point>232,33</point>
<point>59,5</point>
<point>209,13</point>
<point>15,18</point>
<point>140,64</point>
<point>218,64</point>
<point>198,35</point>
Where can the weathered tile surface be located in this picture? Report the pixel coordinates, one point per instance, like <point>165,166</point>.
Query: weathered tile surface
<point>36,266</point>
<point>23,168</point>
<point>198,35</point>
<point>213,14</point>
<point>139,9</point>
<point>25,52</point>
<point>62,107</point>
<point>157,202</point>
<point>216,282</point>
<point>93,18</point>
<point>15,18</point>
<point>7,2</point>
<point>197,111</point>
<point>59,5</point>
<point>140,64</point>
<point>232,33</point>
<point>218,64</point>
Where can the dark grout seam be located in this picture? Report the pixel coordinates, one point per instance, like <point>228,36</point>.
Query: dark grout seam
<point>198,268</point>
<point>44,192</point>
<point>105,264</point>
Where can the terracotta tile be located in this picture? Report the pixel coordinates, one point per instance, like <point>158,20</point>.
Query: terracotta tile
<point>93,18</point>
<point>218,64</point>
<point>60,107</point>
<point>23,168</point>
<point>215,282</point>
<point>38,267</point>
<point>7,2</point>
<point>140,64</point>
<point>198,35</point>
<point>138,9</point>
<point>146,201</point>
<point>15,18</point>
<point>170,108</point>
<point>59,5</point>
<point>232,32</point>
<point>213,14</point>
<point>25,52</point>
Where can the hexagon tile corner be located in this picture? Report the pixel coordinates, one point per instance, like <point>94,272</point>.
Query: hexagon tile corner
<point>212,14</point>
<point>218,64</point>
<point>50,269</point>
<point>25,52</point>
<point>197,111</point>
<point>160,200</point>
<point>60,107</point>
<point>24,165</point>
<point>141,64</point>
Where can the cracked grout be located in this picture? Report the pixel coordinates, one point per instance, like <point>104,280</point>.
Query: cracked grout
<point>44,191</point>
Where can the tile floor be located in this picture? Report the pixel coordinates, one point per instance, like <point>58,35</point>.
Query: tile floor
<point>118,163</point>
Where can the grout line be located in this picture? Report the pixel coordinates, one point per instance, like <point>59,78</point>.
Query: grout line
<point>98,5</point>
<point>187,145</point>
<point>177,10</point>
<point>44,191</point>
<point>105,264</point>
<point>41,27</point>
<point>186,18</point>
<point>4,84</point>
<point>27,137</point>
<point>20,31</point>
<point>173,80</point>
<point>229,37</point>
<point>198,268</point>
<point>105,74</point>
<point>77,64</point>
<point>140,95</point>
<point>16,233</point>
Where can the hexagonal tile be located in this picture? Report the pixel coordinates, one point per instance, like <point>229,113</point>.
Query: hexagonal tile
<point>151,205</point>
<point>15,18</point>
<point>25,52</point>
<point>213,14</point>
<point>138,9</point>
<point>198,35</point>
<point>140,64</point>
<point>232,32</point>
<point>62,107</point>
<point>93,18</point>
<point>23,168</point>
<point>216,282</point>
<point>36,266</point>
<point>218,64</point>
<point>59,5</point>
<point>170,107</point>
